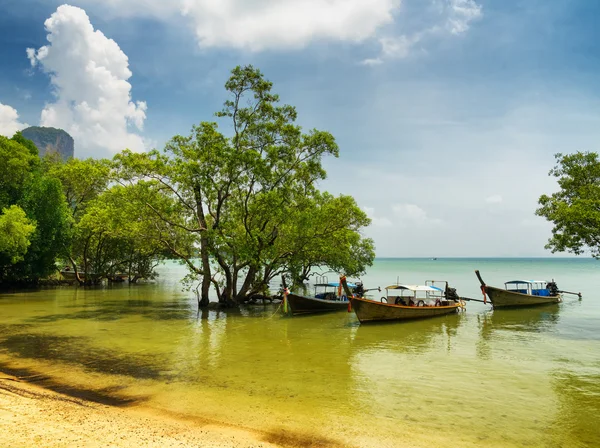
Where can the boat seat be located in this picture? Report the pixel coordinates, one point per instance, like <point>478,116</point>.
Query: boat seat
<point>540,292</point>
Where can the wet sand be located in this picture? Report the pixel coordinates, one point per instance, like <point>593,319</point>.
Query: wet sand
<point>33,416</point>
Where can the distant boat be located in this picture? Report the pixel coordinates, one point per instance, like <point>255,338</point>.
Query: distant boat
<point>522,293</point>
<point>407,302</point>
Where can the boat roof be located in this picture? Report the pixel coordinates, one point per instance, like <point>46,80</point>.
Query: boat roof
<point>415,287</point>
<point>336,284</point>
<point>525,281</point>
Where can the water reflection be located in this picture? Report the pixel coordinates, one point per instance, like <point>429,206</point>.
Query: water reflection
<point>519,325</point>
<point>538,319</point>
<point>413,336</point>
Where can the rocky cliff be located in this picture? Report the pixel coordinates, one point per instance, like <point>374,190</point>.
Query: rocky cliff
<point>50,139</point>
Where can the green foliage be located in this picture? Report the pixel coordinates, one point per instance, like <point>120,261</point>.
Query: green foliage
<point>23,183</point>
<point>18,137</point>
<point>16,170</point>
<point>82,180</point>
<point>575,209</point>
<point>113,237</point>
<point>239,210</point>
<point>44,202</point>
<point>109,234</point>
<point>15,232</point>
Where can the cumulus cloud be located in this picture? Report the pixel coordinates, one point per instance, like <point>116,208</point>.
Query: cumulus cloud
<point>494,199</point>
<point>375,220</point>
<point>89,74</point>
<point>411,214</point>
<point>9,121</point>
<point>285,23</point>
<point>258,25</point>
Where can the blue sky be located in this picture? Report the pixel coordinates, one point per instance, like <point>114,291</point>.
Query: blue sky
<point>447,112</point>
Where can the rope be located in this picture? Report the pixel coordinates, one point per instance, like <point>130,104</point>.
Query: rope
<point>271,316</point>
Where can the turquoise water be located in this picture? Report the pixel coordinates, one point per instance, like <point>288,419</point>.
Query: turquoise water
<point>528,377</point>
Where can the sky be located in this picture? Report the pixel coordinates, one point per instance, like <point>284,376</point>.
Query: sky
<point>448,113</point>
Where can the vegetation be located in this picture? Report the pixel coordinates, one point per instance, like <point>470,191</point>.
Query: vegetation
<point>238,210</point>
<point>34,215</point>
<point>575,209</point>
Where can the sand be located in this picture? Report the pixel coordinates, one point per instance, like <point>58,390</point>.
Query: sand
<point>31,416</point>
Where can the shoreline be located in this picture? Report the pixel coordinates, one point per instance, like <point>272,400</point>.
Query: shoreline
<point>37,416</point>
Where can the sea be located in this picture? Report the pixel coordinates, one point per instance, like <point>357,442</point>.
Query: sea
<point>478,378</point>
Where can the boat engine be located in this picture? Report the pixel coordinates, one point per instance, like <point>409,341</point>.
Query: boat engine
<point>451,294</point>
<point>552,288</point>
<point>359,289</point>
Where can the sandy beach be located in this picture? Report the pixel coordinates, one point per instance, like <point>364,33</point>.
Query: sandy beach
<point>32,416</point>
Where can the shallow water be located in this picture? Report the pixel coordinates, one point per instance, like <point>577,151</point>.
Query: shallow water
<point>527,377</point>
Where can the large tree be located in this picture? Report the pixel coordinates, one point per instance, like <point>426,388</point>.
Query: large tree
<point>575,208</point>
<point>242,208</point>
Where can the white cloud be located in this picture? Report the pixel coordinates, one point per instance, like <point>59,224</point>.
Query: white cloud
<point>494,199</point>
<point>258,25</point>
<point>454,18</point>
<point>462,13</point>
<point>285,23</point>
<point>89,74</point>
<point>9,121</point>
<point>411,214</point>
<point>377,221</point>
<point>397,47</point>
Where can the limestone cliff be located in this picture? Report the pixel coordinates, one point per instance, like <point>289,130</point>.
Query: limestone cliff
<point>51,139</point>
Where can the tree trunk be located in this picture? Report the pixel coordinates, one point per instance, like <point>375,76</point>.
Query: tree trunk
<point>248,281</point>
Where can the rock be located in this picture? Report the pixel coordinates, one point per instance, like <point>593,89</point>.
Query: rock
<point>51,140</point>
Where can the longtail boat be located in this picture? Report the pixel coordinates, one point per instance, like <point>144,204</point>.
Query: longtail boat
<point>523,293</point>
<point>406,302</point>
<point>328,296</point>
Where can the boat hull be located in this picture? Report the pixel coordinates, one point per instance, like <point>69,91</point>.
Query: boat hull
<point>502,298</point>
<point>310,305</point>
<point>370,311</point>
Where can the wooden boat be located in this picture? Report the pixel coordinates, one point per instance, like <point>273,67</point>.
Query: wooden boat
<point>308,305</point>
<point>328,297</point>
<point>406,302</point>
<point>521,293</point>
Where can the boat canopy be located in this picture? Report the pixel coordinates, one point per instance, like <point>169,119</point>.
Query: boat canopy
<point>415,288</point>
<point>514,282</point>
<point>335,284</point>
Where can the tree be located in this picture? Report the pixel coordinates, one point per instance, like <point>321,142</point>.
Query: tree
<point>15,232</point>
<point>575,209</point>
<point>44,202</point>
<point>17,167</point>
<point>33,150</point>
<point>235,208</point>
<point>113,237</point>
